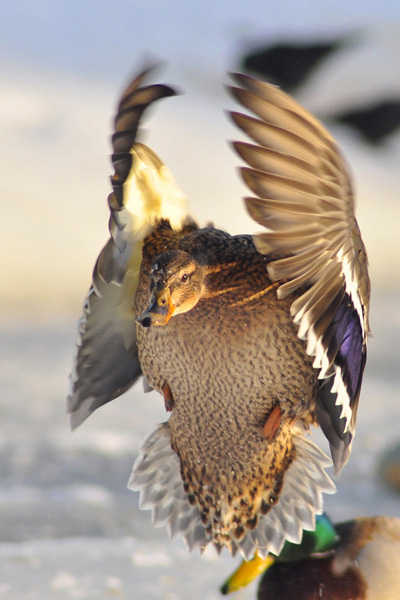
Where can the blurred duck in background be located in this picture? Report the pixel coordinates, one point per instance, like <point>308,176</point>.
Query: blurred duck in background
<point>354,560</point>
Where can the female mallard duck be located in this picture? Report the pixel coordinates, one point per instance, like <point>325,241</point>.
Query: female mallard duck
<point>355,560</point>
<point>249,339</point>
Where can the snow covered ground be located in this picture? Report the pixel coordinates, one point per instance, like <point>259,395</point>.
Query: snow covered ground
<point>69,528</point>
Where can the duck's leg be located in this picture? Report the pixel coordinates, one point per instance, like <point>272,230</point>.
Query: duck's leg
<point>168,398</point>
<point>272,424</point>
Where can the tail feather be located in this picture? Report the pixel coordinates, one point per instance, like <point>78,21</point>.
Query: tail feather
<point>156,474</point>
<point>301,499</point>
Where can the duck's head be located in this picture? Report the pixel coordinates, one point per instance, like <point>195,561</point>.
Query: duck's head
<point>176,281</point>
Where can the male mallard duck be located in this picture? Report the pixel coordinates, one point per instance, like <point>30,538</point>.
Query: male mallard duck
<point>323,540</point>
<point>364,565</point>
<point>355,560</point>
<point>250,339</point>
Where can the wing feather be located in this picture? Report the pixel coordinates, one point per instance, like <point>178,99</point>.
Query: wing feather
<point>106,362</point>
<point>304,200</point>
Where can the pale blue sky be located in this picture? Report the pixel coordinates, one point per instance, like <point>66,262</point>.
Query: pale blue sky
<point>93,38</point>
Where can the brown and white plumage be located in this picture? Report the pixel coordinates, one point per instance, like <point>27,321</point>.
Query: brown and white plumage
<point>305,200</point>
<point>227,346</point>
<point>144,190</point>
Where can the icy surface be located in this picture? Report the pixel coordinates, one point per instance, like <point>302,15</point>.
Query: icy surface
<point>104,568</point>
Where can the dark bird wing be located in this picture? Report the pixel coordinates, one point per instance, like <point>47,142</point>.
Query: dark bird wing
<point>290,63</point>
<point>303,197</point>
<point>374,122</point>
<point>106,362</point>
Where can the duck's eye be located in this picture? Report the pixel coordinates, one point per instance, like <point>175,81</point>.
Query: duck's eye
<point>184,278</point>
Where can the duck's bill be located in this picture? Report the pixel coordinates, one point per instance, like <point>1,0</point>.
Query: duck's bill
<point>159,311</point>
<point>246,572</point>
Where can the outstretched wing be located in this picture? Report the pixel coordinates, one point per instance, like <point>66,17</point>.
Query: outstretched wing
<point>304,199</point>
<point>106,362</point>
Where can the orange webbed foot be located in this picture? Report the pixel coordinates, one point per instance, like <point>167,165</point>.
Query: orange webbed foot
<point>272,424</point>
<point>168,398</point>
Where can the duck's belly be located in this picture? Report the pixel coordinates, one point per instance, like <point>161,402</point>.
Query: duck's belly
<point>229,362</point>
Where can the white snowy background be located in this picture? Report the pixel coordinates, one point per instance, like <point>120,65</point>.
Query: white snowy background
<point>69,528</point>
